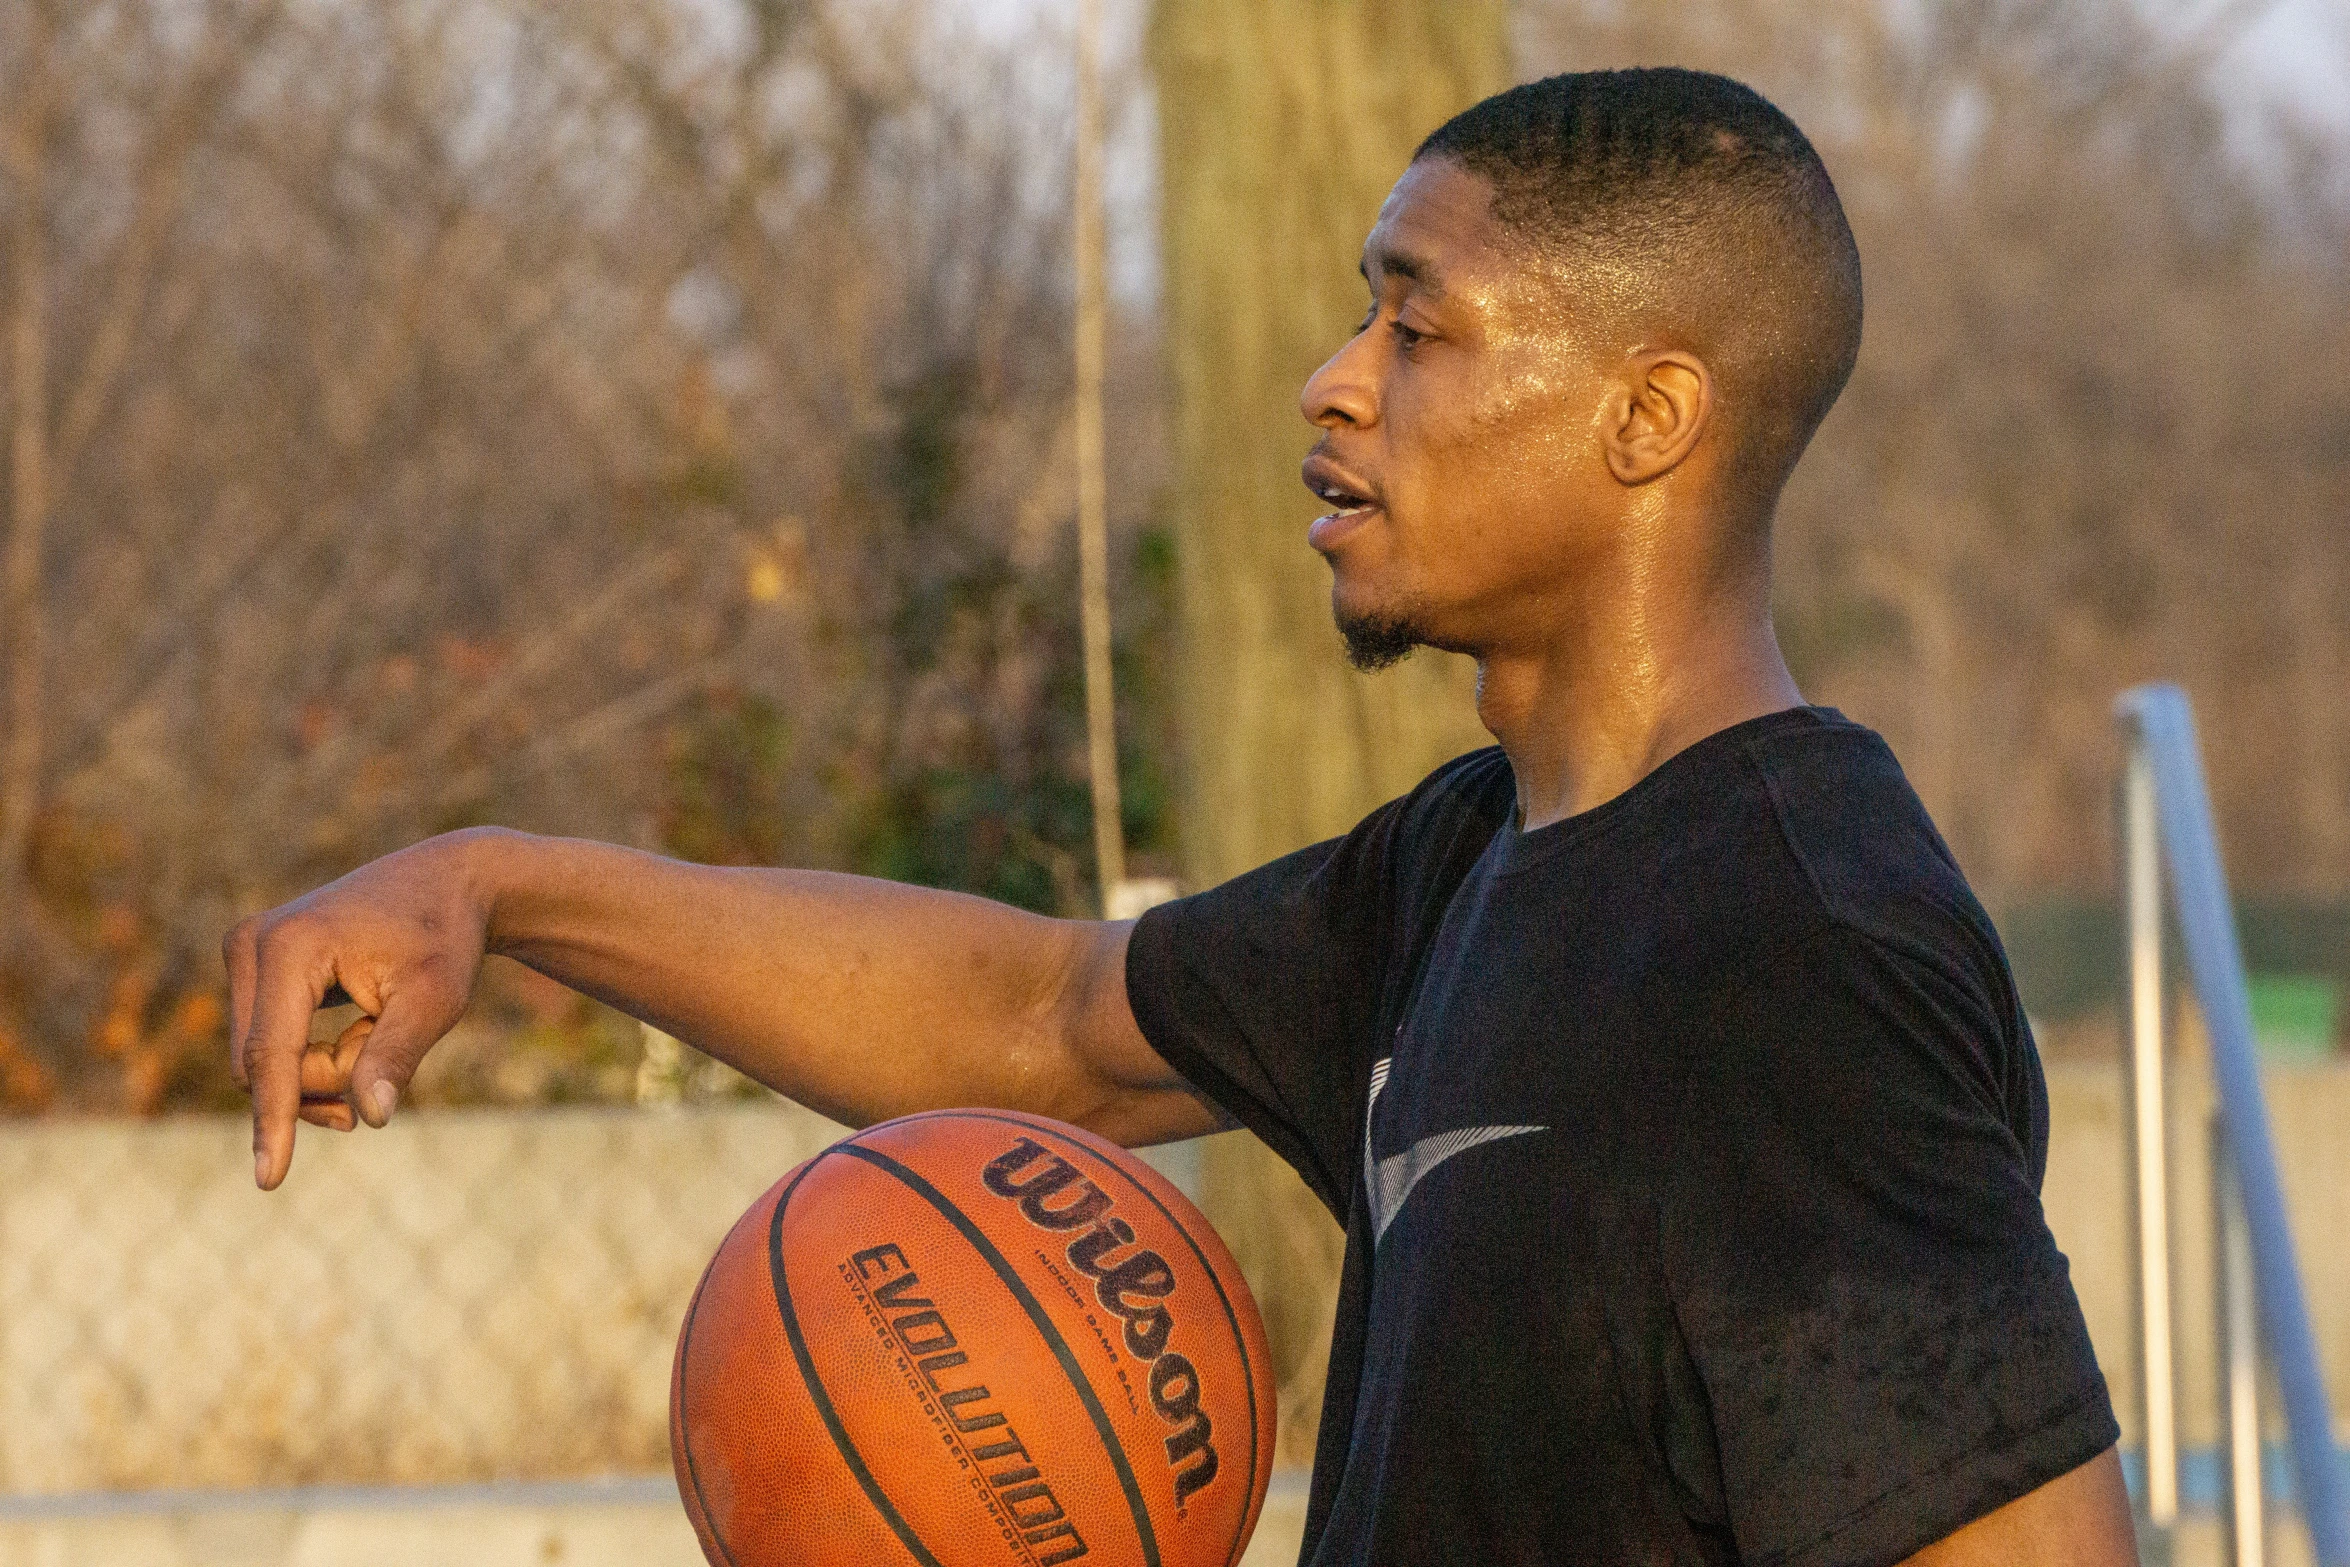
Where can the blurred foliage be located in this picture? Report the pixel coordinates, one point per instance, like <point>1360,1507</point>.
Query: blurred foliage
<point>980,833</point>
<point>2068,953</point>
<point>989,794</point>
<point>645,422</point>
<point>727,760</point>
<point>649,421</point>
<point>529,1041</point>
<point>2097,433</point>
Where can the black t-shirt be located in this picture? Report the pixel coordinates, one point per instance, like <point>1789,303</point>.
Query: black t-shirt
<point>1689,1152</point>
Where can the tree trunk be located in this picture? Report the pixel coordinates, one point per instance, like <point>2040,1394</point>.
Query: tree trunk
<point>1282,125</point>
<point>29,505</point>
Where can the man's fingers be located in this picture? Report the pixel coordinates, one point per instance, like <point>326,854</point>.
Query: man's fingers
<point>285,993</point>
<point>320,1078</point>
<point>344,1052</point>
<point>326,1068</point>
<point>335,1115</point>
<point>237,954</point>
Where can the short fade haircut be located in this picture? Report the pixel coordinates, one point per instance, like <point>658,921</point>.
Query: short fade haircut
<point>1716,209</point>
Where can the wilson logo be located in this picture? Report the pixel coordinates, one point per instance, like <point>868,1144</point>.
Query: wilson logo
<point>1132,1283</point>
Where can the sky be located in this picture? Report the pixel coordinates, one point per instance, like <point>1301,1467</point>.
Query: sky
<point>2292,65</point>
<point>2297,57</point>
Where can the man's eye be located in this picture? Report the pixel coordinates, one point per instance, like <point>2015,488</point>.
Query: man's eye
<point>1408,338</point>
<point>1364,325</point>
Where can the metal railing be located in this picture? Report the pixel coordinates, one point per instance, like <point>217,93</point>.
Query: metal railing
<point>2166,823</point>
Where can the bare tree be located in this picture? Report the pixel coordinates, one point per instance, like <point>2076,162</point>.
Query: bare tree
<point>2090,440</point>
<point>75,75</point>
<point>641,421</point>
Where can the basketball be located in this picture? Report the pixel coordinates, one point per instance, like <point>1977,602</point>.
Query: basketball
<point>972,1337</point>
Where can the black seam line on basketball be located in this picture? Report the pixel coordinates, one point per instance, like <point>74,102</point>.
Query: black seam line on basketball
<point>799,1348</point>
<point>1044,1326</point>
<point>693,1472</point>
<point>1231,1317</point>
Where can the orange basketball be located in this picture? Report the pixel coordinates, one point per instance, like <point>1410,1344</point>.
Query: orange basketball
<point>972,1337</point>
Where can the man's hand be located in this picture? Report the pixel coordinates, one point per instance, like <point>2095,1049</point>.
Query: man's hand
<point>404,938</point>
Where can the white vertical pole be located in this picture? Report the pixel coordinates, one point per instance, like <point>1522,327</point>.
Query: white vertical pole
<point>1093,547</point>
<point>1120,898</point>
<point>2150,1164</point>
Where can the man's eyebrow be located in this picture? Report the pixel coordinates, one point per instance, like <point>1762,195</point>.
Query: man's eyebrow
<point>1412,269</point>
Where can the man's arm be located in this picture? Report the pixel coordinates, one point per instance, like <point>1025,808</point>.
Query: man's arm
<point>2081,1519</point>
<point>862,999</point>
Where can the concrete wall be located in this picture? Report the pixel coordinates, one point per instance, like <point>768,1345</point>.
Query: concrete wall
<point>474,1297</point>
<point>2087,1199</point>
<point>417,1527</point>
<point>464,1296</point>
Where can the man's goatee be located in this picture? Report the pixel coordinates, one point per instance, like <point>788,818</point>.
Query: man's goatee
<point>1376,642</point>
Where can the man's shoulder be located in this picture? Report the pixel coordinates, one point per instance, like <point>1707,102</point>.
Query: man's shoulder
<point>1437,831</point>
<point>1849,817</point>
<point>1476,785</point>
<point>1870,855</point>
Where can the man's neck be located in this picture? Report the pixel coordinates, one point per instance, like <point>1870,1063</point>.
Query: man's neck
<point>1614,693</point>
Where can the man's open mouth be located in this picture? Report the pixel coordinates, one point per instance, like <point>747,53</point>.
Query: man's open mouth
<point>1344,502</point>
<point>1344,493</point>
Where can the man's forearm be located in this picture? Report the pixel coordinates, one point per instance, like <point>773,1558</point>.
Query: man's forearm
<point>860,998</point>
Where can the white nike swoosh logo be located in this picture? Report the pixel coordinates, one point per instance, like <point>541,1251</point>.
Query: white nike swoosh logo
<point>1390,1180</point>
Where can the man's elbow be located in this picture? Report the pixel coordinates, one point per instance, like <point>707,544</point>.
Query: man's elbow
<point>2078,1519</point>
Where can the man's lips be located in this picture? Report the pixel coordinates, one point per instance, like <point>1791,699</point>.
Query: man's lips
<point>1352,500</point>
<point>1329,528</point>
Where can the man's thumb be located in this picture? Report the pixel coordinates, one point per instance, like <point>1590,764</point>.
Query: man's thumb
<point>388,1060</point>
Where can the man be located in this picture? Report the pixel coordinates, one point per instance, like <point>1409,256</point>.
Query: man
<point>1669,1079</point>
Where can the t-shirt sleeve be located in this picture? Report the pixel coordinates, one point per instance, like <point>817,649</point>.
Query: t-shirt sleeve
<point>1264,993</point>
<point>1875,1308</point>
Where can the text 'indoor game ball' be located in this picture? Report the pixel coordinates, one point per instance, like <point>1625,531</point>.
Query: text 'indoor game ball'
<point>972,1337</point>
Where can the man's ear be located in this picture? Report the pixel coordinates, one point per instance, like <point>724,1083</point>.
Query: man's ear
<point>1656,413</point>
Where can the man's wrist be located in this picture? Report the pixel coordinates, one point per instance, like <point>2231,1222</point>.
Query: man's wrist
<point>492,863</point>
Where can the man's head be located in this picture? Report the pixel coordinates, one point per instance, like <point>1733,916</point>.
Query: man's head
<point>1608,312</point>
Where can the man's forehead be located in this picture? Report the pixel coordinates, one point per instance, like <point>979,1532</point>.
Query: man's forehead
<point>1435,224</point>
<point>1382,260</point>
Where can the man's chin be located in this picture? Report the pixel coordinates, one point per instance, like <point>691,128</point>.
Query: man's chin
<point>1377,641</point>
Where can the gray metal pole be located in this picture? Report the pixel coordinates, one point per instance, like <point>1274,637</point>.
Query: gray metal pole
<point>2165,725</point>
<point>2150,1149</point>
<point>2238,1315</point>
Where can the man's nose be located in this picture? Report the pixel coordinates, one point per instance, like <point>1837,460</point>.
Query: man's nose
<point>1343,391</point>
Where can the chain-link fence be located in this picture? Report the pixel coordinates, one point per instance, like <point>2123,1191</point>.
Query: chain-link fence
<point>494,1295</point>
<point>463,1296</point>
